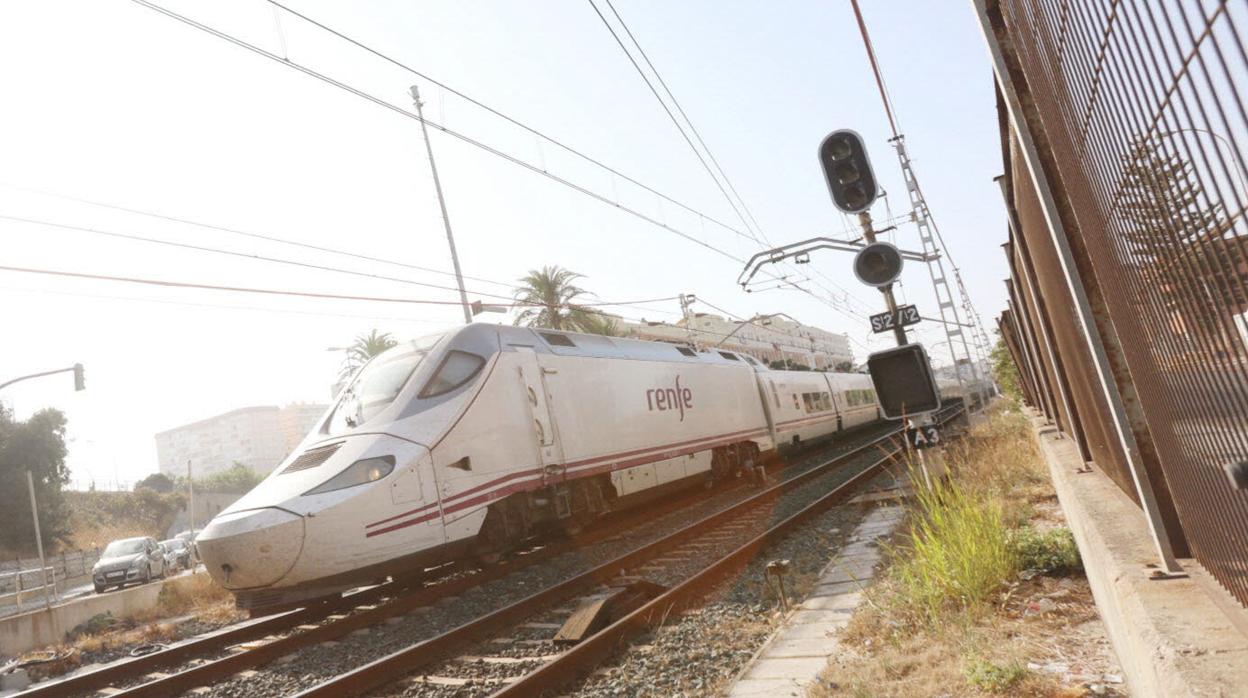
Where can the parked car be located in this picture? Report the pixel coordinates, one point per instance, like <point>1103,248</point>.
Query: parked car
<point>177,553</point>
<point>189,538</point>
<point>128,561</point>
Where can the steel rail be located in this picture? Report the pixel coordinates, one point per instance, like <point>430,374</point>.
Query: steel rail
<point>424,653</point>
<point>105,676</point>
<point>405,600</point>
<point>590,652</point>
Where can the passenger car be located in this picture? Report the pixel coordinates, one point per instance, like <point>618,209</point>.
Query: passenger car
<point>128,561</point>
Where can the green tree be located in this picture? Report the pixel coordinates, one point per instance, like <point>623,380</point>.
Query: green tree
<point>551,296</point>
<point>365,347</point>
<point>1004,370</point>
<point>1163,204</point>
<point>592,322</point>
<point>238,478</point>
<point>157,482</point>
<point>1178,238</point>
<point>36,445</point>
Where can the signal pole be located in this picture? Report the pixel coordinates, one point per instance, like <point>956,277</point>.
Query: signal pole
<point>868,234</point>
<point>446,220</point>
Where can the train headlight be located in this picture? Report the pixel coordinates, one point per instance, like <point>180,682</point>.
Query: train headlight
<point>360,472</point>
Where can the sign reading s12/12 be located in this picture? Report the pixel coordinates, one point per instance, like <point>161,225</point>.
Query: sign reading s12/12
<point>906,315</point>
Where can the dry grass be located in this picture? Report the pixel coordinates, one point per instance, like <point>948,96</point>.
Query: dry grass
<point>195,595</point>
<point>953,616</point>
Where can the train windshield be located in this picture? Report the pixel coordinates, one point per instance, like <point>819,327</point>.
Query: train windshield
<point>379,383</point>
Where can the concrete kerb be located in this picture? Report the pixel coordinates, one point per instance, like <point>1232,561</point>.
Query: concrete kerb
<point>42,627</point>
<point>1170,636</point>
<point>792,657</point>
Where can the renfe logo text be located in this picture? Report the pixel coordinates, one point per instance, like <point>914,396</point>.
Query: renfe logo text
<point>663,399</point>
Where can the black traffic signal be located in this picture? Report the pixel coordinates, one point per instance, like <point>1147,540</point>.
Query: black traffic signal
<point>848,171</point>
<point>80,381</point>
<point>878,264</point>
<point>903,381</point>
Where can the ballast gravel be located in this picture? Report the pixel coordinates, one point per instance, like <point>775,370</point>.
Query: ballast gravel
<point>319,663</point>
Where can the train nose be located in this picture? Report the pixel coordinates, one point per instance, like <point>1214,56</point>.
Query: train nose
<point>253,548</point>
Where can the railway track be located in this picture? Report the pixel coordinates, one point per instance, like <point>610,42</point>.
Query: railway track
<point>224,653</point>
<point>515,650</point>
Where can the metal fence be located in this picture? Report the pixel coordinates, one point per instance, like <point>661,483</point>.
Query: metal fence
<point>1124,133</point>
<point>67,565</point>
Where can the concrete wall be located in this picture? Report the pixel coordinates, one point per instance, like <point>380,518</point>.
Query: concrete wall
<point>44,627</point>
<point>1173,637</point>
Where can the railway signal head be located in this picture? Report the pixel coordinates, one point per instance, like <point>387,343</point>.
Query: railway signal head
<point>848,171</point>
<point>80,381</point>
<point>878,264</point>
<point>903,380</point>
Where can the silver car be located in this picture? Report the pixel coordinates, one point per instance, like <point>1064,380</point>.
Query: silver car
<point>128,561</point>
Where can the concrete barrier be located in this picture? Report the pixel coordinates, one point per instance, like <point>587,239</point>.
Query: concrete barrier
<point>1172,637</point>
<point>45,626</point>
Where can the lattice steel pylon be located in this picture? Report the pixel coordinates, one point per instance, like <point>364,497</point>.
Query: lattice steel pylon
<point>947,304</point>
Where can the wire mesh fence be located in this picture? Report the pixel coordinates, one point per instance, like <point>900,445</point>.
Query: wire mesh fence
<point>1137,112</point>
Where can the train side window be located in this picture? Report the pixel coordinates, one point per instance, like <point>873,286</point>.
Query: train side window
<point>457,368</point>
<point>559,340</point>
<point>687,351</point>
<point>727,355</point>
<point>796,406</point>
<point>775,395</point>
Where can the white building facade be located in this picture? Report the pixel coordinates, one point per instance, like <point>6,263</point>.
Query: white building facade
<point>769,339</point>
<point>258,437</point>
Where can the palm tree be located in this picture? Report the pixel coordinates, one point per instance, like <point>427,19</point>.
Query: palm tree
<point>365,347</point>
<point>593,322</point>
<point>550,298</point>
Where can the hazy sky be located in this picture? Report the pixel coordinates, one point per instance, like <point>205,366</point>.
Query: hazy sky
<point>109,101</point>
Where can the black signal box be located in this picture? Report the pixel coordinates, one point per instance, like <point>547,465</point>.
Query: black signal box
<point>903,381</point>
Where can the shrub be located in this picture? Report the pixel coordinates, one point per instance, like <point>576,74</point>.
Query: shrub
<point>994,678</point>
<point>958,550</point>
<point>1052,551</point>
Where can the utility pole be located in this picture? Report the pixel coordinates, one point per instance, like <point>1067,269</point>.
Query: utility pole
<point>43,566</point>
<point>446,219</point>
<point>190,486</point>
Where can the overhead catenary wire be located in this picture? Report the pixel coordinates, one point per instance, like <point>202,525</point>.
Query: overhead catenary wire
<point>455,134</point>
<point>245,255</point>
<point>282,292</point>
<point>246,233</point>
<point>892,122</point>
<point>222,306</point>
<point>428,122</point>
<point>509,119</point>
<point>743,211</point>
<point>679,127</point>
<point>265,237</point>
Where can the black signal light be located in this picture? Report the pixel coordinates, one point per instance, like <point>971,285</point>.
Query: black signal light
<point>850,178</point>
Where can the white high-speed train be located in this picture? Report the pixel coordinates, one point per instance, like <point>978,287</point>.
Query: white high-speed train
<point>467,443</point>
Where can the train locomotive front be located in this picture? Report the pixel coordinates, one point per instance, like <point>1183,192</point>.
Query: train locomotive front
<point>296,535</point>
